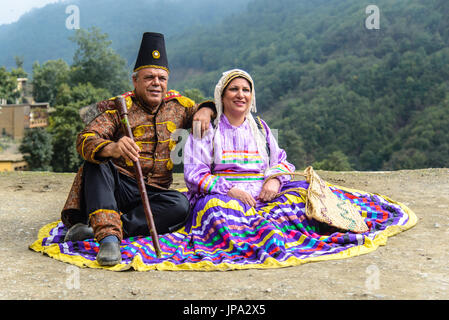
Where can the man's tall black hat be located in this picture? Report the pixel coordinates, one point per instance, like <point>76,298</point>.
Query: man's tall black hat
<point>152,53</point>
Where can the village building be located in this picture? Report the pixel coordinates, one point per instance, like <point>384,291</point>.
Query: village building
<point>12,162</point>
<point>14,120</point>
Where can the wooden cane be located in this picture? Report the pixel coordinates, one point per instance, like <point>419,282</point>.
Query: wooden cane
<point>123,113</point>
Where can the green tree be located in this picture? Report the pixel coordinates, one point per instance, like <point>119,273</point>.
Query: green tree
<point>19,72</point>
<point>47,79</point>
<point>194,94</point>
<point>336,161</point>
<point>424,143</point>
<point>65,123</point>
<point>292,143</point>
<point>37,149</point>
<point>96,62</point>
<point>80,95</point>
<point>8,86</point>
<point>336,85</point>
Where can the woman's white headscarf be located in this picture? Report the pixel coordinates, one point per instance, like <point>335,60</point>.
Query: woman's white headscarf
<point>226,78</point>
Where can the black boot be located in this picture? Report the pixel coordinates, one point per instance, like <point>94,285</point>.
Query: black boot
<point>109,254</point>
<point>79,232</point>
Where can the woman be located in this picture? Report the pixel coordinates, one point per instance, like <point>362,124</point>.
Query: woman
<point>246,210</point>
<point>233,159</point>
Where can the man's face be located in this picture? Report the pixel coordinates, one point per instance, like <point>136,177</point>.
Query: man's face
<point>151,85</point>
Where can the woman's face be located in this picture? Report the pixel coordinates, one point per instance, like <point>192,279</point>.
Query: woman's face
<point>237,97</point>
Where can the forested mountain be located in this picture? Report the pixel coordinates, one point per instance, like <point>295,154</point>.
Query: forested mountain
<point>41,34</point>
<point>342,96</point>
<point>338,92</point>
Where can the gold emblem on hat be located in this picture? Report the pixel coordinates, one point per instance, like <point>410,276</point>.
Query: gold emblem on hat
<point>156,54</point>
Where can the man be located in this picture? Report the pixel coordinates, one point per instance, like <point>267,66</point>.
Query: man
<point>105,194</point>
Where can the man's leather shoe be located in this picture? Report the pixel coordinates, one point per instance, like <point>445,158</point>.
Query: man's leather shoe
<point>79,232</point>
<point>109,254</point>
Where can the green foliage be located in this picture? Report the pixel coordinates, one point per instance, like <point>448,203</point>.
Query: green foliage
<point>64,128</point>
<point>341,96</point>
<point>293,145</point>
<point>336,161</point>
<point>65,123</point>
<point>96,73</point>
<point>48,78</point>
<point>19,72</point>
<point>40,35</point>
<point>96,62</point>
<point>8,82</point>
<point>80,95</point>
<point>330,85</point>
<point>8,86</point>
<point>37,149</point>
<point>424,142</point>
<point>194,94</point>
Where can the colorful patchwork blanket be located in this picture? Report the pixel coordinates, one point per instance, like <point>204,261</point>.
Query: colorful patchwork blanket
<point>224,234</point>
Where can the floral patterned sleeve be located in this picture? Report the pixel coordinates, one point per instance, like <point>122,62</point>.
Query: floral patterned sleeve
<point>96,135</point>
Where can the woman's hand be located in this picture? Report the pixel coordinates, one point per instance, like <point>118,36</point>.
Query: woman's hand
<point>243,196</point>
<point>269,190</point>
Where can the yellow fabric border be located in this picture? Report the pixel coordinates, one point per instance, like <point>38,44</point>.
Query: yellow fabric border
<point>151,66</point>
<point>138,264</point>
<point>92,157</point>
<point>54,252</point>
<point>105,211</point>
<point>86,135</point>
<point>183,100</point>
<point>240,174</point>
<point>140,130</point>
<point>236,74</point>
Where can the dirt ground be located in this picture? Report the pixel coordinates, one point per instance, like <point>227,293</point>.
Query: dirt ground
<point>413,264</point>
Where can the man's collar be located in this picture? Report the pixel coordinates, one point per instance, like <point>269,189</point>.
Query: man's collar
<point>144,106</point>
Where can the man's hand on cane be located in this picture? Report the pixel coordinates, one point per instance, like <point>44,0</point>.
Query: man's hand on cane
<point>125,147</point>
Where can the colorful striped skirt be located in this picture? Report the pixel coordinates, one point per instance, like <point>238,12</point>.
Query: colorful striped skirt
<point>224,234</point>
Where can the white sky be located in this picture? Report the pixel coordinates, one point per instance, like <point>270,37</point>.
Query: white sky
<point>11,10</point>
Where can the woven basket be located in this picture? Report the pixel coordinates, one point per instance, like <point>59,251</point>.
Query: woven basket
<point>324,206</point>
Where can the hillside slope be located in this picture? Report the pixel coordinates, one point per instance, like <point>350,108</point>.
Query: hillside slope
<point>41,34</point>
<point>336,90</point>
<point>342,96</point>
